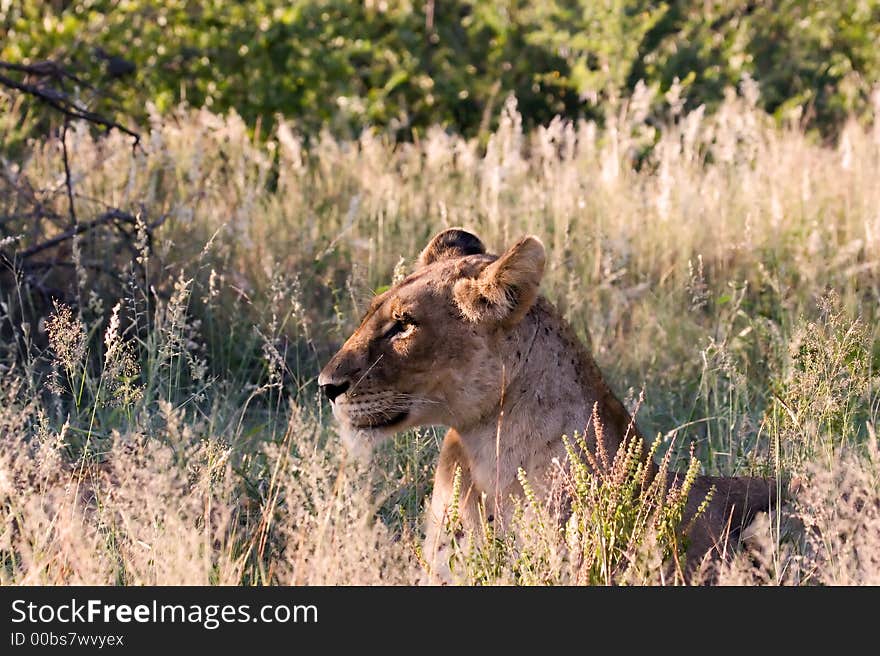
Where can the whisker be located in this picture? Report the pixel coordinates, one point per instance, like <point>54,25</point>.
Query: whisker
<point>370,368</point>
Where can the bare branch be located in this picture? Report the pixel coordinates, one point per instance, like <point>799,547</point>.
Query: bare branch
<point>68,180</point>
<point>47,82</point>
<point>57,99</point>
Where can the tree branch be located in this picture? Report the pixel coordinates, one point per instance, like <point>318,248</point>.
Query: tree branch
<point>56,99</point>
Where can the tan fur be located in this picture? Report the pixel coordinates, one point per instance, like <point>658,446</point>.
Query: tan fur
<point>467,342</point>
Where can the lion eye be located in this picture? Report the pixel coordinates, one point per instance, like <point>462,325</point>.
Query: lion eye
<point>402,327</point>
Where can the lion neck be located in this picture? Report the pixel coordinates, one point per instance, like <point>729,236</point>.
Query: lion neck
<point>550,386</point>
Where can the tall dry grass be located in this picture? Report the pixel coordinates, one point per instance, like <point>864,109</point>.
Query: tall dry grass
<point>166,428</point>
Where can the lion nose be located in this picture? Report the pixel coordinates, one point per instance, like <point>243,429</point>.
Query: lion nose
<point>333,390</point>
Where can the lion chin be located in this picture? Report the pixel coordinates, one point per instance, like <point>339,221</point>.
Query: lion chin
<point>361,442</point>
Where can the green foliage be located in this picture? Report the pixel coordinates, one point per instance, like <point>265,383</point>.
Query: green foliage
<point>326,62</point>
<point>405,66</point>
<point>813,61</point>
<point>600,42</point>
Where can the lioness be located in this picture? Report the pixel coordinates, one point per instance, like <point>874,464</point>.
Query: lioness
<point>467,342</point>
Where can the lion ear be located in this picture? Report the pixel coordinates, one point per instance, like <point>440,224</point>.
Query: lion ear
<point>453,242</point>
<point>506,289</point>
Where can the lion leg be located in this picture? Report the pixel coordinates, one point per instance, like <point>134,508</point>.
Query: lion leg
<point>439,536</point>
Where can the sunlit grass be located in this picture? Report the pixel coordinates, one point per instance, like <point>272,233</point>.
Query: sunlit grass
<point>166,427</point>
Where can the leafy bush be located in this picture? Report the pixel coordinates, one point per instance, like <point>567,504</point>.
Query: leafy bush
<point>406,66</point>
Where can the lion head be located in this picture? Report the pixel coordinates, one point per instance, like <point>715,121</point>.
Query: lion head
<point>424,352</point>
